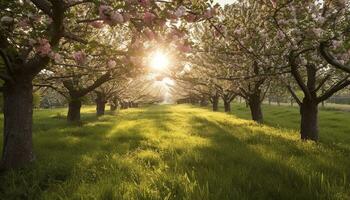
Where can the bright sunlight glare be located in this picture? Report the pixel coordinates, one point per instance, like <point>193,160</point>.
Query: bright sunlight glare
<point>159,61</point>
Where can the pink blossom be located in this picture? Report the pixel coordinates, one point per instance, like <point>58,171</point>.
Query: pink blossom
<point>180,11</point>
<point>126,17</point>
<point>105,12</point>
<point>210,13</point>
<point>190,17</point>
<point>111,63</point>
<point>149,34</point>
<point>43,47</point>
<point>79,57</point>
<point>280,34</point>
<point>171,15</point>
<point>134,60</point>
<point>161,22</point>
<point>24,23</point>
<point>207,14</point>
<point>238,31</point>
<point>336,43</point>
<point>184,48</point>
<point>145,3</point>
<point>148,17</point>
<point>96,24</point>
<point>55,56</point>
<point>109,16</point>
<point>176,33</point>
<point>116,18</point>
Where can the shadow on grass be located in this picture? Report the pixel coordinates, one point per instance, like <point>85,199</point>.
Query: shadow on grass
<point>174,152</point>
<point>235,169</point>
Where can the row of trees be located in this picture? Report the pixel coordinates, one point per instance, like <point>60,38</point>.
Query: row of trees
<point>75,46</point>
<point>253,48</point>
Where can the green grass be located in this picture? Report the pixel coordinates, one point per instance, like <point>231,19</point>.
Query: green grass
<point>182,152</point>
<point>334,124</point>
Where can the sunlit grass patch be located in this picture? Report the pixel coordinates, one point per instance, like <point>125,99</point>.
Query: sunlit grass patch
<point>179,152</point>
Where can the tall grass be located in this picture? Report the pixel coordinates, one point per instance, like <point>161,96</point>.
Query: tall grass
<point>180,152</point>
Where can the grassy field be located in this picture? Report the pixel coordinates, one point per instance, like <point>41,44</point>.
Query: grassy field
<point>183,152</point>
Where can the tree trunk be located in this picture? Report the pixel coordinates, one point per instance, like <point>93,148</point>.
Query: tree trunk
<point>309,120</point>
<point>203,102</point>
<point>100,107</point>
<point>18,115</point>
<point>74,110</point>
<point>215,103</point>
<point>123,105</point>
<point>100,104</point>
<point>114,105</point>
<point>227,106</point>
<point>255,108</point>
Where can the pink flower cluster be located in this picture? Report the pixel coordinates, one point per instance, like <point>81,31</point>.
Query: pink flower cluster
<point>79,57</point>
<point>148,18</point>
<point>183,47</point>
<point>43,47</point>
<point>109,16</point>
<point>111,63</point>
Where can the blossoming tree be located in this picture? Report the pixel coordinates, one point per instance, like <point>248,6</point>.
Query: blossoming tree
<point>32,33</point>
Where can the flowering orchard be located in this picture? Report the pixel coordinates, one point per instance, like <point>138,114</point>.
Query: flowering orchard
<point>302,46</point>
<point>52,39</point>
<point>248,49</point>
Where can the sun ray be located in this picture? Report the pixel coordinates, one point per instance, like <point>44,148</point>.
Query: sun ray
<point>159,61</point>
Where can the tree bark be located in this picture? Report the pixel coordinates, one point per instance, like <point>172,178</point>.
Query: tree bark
<point>255,108</point>
<point>100,108</point>
<point>114,104</point>
<point>215,103</point>
<point>309,120</point>
<point>74,110</point>
<point>18,115</point>
<point>227,106</point>
<point>100,104</point>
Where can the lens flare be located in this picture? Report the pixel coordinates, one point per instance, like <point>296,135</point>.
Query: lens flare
<point>159,61</point>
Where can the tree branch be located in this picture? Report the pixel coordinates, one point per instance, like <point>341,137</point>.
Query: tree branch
<point>44,6</point>
<point>340,85</point>
<point>293,94</point>
<point>331,59</point>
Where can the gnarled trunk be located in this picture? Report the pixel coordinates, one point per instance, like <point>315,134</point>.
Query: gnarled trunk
<point>255,108</point>
<point>74,110</point>
<point>18,116</point>
<point>309,120</point>
<point>227,105</point>
<point>215,103</point>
